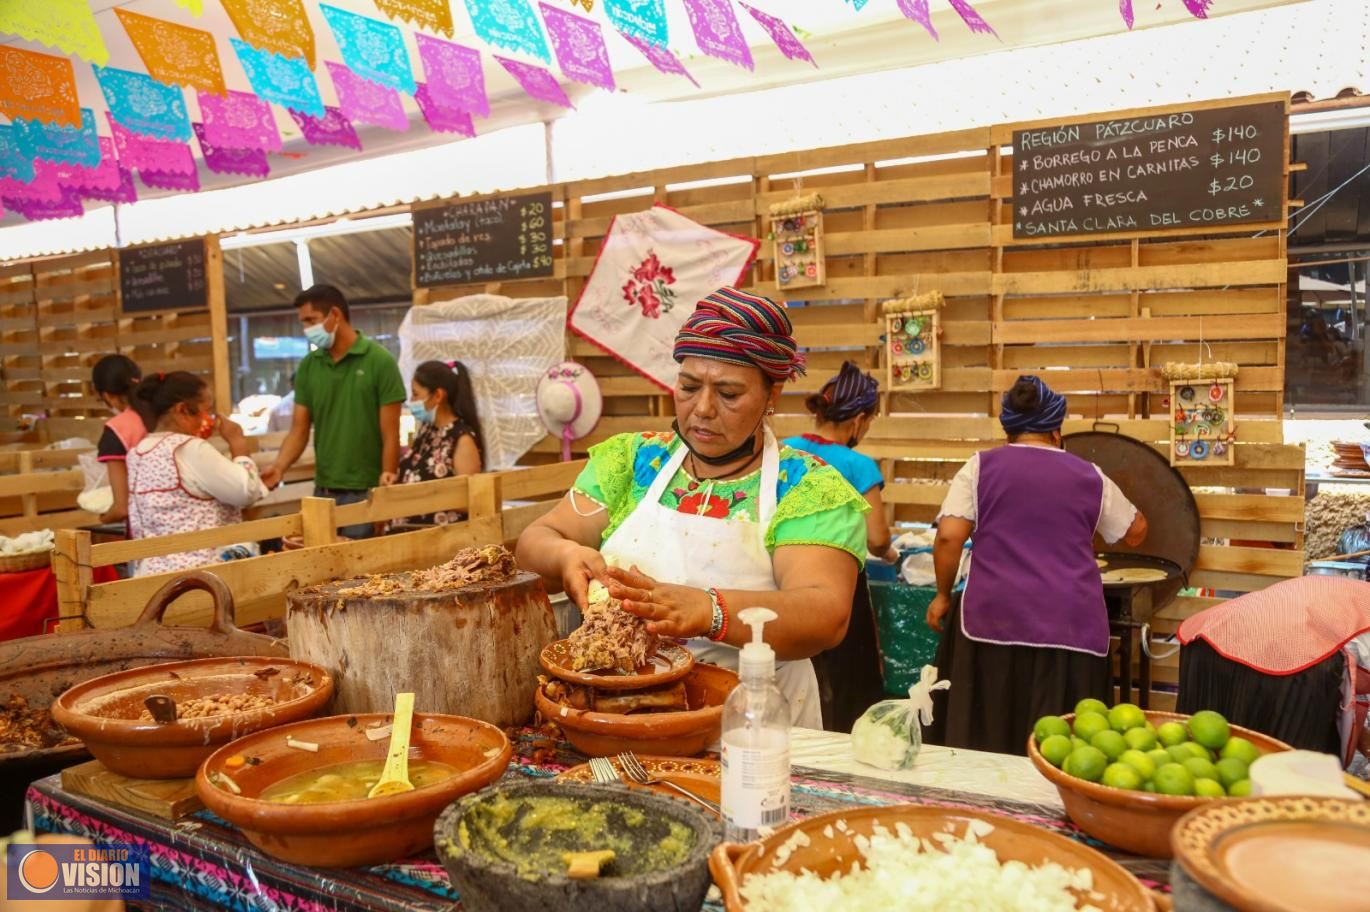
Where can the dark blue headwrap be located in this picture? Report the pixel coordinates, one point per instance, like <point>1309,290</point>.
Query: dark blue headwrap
<point>1048,416</point>
<point>852,392</point>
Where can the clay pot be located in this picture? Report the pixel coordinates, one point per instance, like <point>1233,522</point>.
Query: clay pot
<point>831,848</point>
<point>666,734</point>
<point>1137,822</point>
<point>490,884</point>
<point>340,834</point>
<point>103,712</point>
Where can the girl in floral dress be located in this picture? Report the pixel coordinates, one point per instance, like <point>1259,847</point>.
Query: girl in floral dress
<point>449,440</point>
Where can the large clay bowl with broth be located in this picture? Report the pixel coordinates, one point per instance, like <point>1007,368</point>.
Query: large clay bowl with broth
<point>1137,822</point>
<point>660,734</point>
<point>364,831</point>
<point>105,712</point>
<point>828,845</point>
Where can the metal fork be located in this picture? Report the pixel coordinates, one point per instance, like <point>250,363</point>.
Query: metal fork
<point>634,770</point>
<point>603,772</point>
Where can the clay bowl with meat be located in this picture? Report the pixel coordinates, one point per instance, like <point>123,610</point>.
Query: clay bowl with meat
<point>356,831</point>
<point>216,700</point>
<point>620,721</point>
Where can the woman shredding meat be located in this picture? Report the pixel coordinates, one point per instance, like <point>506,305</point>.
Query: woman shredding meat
<point>1031,635</point>
<point>716,516</point>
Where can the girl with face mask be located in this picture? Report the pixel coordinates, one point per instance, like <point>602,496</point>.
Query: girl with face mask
<point>449,441</point>
<point>114,378</point>
<point>849,674</point>
<point>178,481</point>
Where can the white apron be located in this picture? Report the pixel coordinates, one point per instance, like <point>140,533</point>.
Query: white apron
<point>704,552</point>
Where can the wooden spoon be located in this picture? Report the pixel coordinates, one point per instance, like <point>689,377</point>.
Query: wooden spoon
<point>395,777</point>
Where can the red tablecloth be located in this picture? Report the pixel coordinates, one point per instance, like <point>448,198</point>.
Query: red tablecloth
<point>28,600</point>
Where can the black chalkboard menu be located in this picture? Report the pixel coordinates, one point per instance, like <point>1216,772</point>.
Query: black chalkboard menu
<point>163,277</point>
<point>1151,172</point>
<point>489,240</point>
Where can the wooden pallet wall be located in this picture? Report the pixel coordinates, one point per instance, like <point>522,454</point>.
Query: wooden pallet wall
<point>59,316</point>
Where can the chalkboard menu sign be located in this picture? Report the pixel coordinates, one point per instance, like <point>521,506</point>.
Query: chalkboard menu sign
<point>490,240</point>
<point>163,277</point>
<point>1187,169</point>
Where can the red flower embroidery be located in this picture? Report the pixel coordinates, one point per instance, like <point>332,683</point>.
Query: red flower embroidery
<point>648,288</point>
<point>713,507</point>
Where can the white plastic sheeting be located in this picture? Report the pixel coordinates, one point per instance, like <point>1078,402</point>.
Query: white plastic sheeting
<point>507,344</point>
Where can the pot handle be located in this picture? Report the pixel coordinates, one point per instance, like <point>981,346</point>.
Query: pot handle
<point>722,863</point>
<point>225,617</point>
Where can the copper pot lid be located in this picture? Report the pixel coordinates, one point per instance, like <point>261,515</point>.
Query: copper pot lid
<point>1156,488</point>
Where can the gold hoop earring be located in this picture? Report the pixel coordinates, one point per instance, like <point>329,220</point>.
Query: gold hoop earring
<point>770,411</point>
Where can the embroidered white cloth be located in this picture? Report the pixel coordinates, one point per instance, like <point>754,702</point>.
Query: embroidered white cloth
<point>652,269</point>
<point>507,344</point>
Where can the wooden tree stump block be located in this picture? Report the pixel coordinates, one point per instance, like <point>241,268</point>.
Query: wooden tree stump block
<point>471,651</point>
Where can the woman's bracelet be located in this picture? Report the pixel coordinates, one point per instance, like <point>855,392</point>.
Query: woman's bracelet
<point>718,630</point>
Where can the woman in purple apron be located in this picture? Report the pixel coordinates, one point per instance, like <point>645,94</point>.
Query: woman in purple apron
<point>1030,637</point>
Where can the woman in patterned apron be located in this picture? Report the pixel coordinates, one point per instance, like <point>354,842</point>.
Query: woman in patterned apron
<point>178,482</point>
<point>691,526</point>
<point>1031,635</point>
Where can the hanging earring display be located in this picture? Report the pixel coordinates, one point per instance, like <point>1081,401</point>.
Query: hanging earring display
<point>797,234</point>
<point>1203,423</point>
<point>913,352</point>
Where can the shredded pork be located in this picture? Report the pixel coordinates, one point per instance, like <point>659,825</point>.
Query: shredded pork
<point>609,638</point>
<point>486,564</point>
<point>25,728</point>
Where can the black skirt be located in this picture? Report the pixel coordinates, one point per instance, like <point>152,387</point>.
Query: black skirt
<point>849,679</point>
<point>999,692</point>
<point>1300,709</point>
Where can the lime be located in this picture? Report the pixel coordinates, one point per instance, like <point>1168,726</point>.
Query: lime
<point>1160,757</point>
<point>1173,779</point>
<point>1197,750</point>
<point>1091,705</point>
<point>1086,763</point>
<point>1172,733</point>
<point>1202,769</point>
<point>1089,724</point>
<point>1209,729</point>
<point>1110,742</point>
<point>1140,739</point>
<point>1209,788</point>
<point>1231,770</point>
<point>1149,727</point>
<point>1077,742</point>
<point>1149,786</point>
<point>1241,749</point>
<point>1126,716</point>
<point>1140,762</point>
<point>1178,753</point>
<point>1056,748</point>
<point>1240,789</point>
<point>1048,726</point>
<point>1122,776</point>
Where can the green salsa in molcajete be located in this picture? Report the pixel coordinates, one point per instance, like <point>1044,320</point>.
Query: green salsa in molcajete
<point>533,833</point>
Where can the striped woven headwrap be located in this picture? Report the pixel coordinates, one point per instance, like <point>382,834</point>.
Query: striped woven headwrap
<point>731,325</point>
<point>852,392</point>
<point>1048,416</point>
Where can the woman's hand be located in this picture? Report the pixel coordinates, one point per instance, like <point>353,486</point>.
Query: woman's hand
<point>233,435</point>
<point>670,610</point>
<point>579,565</point>
<point>937,611</point>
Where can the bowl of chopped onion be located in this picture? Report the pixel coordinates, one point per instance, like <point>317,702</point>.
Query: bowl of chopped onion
<point>215,701</point>
<point>920,859</point>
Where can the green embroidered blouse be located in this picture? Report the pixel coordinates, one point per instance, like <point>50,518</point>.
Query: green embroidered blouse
<point>814,504</point>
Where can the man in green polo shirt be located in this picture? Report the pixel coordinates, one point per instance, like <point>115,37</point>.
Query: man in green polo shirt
<point>350,390</point>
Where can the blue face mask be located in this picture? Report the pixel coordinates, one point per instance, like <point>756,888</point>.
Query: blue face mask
<point>319,336</point>
<point>422,412</point>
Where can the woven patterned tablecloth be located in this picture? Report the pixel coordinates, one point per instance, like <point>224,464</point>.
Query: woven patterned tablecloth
<point>201,862</point>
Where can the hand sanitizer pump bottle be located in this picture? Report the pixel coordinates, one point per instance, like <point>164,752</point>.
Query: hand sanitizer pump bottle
<point>756,740</point>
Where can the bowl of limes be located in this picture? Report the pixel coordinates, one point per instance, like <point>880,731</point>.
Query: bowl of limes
<point>1126,775</point>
